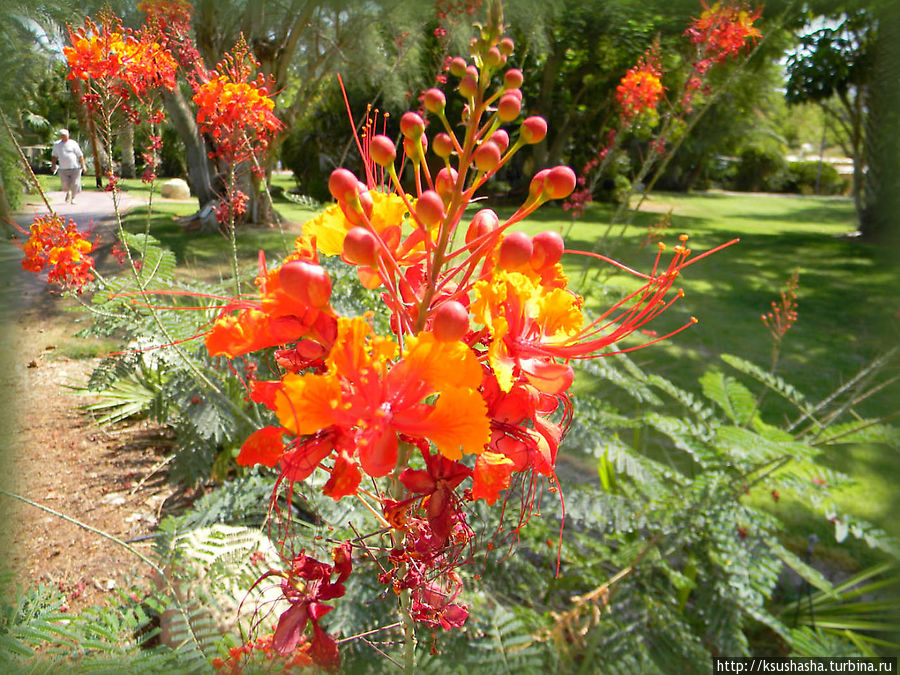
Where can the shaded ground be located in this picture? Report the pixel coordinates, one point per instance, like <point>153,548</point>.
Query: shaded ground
<point>110,479</point>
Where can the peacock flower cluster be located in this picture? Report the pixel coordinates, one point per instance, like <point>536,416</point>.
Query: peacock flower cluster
<point>641,89</point>
<point>468,398</point>
<point>236,109</point>
<point>723,30</point>
<point>126,62</point>
<point>784,313</point>
<point>56,246</point>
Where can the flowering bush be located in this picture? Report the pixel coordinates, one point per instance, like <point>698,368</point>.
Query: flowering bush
<point>468,400</point>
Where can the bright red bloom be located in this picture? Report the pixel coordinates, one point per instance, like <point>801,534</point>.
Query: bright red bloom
<point>437,482</point>
<point>57,246</point>
<point>723,30</point>
<point>641,88</point>
<point>492,475</point>
<point>306,585</point>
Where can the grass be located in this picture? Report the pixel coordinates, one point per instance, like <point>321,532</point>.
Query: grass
<point>846,304</point>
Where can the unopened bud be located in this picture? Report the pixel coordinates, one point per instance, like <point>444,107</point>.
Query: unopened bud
<point>451,321</point>
<point>430,208</point>
<point>536,187</point>
<point>458,66</point>
<point>412,125</point>
<point>487,156</point>
<point>445,181</point>
<point>468,86</point>
<point>493,57</point>
<point>560,182</point>
<point>382,150</point>
<point>533,129</point>
<point>513,78</point>
<point>484,222</point>
<point>342,185</point>
<point>548,249</point>
<point>501,140</point>
<point>506,46</point>
<point>515,250</point>
<point>435,101</point>
<point>442,145</point>
<point>360,247</point>
<point>306,283</point>
<point>508,108</point>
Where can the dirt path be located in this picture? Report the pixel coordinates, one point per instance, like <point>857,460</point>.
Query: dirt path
<point>53,454</point>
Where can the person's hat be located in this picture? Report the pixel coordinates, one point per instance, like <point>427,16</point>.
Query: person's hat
<point>63,132</point>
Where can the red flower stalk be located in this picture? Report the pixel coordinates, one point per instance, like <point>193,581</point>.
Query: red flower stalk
<point>784,313</point>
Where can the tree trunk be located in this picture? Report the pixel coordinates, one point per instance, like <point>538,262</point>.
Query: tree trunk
<point>126,141</point>
<point>882,142</point>
<point>5,210</point>
<point>182,119</point>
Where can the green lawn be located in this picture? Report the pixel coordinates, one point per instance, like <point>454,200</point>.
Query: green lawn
<point>846,304</point>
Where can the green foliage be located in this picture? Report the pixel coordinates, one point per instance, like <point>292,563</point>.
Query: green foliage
<point>803,177</point>
<point>761,168</point>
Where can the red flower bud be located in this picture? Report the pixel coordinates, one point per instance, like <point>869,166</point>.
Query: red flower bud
<point>501,140</point>
<point>506,46</point>
<point>442,145</point>
<point>342,185</point>
<point>493,58</point>
<point>487,156</point>
<point>533,129</point>
<point>445,181</point>
<point>560,182</point>
<point>513,78</point>
<point>484,222</point>
<point>306,282</point>
<point>430,208</point>
<point>435,101</point>
<point>458,66</point>
<point>515,250</point>
<point>411,146</point>
<point>451,321</point>
<point>412,125</point>
<point>382,150</point>
<point>472,72</point>
<point>360,247</point>
<point>468,86</point>
<point>508,108</point>
<point>536,188</point>
<point>548,249</point>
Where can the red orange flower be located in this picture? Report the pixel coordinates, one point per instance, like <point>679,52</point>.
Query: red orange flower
<point>723,30</point>
<point>57,246</point>
<point>641,89</point>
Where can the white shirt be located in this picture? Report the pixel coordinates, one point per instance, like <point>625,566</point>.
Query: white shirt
<point>68,153</point>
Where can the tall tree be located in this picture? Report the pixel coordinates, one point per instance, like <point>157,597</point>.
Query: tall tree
<point>832,66</point>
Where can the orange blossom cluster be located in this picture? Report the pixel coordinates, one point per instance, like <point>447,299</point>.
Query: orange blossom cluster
<point>58,247</point>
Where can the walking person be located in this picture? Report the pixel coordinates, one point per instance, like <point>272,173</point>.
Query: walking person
<point>67,153</point>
